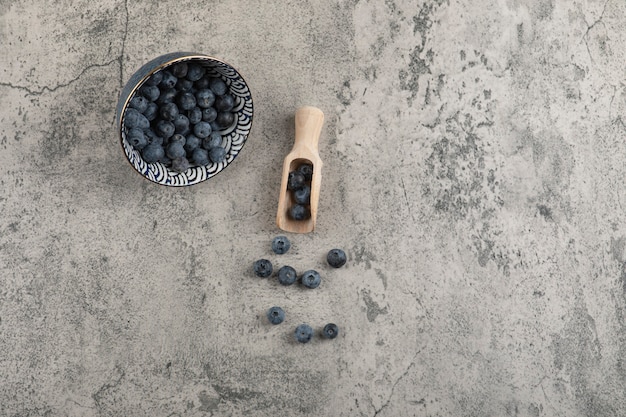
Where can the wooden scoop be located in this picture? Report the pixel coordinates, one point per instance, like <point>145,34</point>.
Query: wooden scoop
<point>309,122</point>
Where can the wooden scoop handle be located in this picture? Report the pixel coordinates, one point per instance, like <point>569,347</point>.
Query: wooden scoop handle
<point>309,121</point>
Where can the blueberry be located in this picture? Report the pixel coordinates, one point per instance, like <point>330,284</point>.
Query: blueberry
<point>336,258</point>
<point>307,171</point>
<point>215,126</point>
<point>151,111</point>
<point>150,92</point>
<point>214,140</point>
<point>165,161</point>
<point>200,156</point>
<point>202,83</point>
<point>138,102</point>
<point>276,315</point>
<point>217,154</point>
<point>155,79</point>
<point>205,98</point>
<point>180,164</point>
<point>280,245</point>
<point>152,153</point>
<point>303,333</point>
<point>295,180</point>
<point>330,331</point>
<point>209,115</point>
<point>194,115</point>
<point>299,212</point>
<point>168,111</point>
<point>303,195</point>
<point>218,86</point>
<point>195,72</point>
<point>287,275</point>
<point>165,129</point>
<point>186,101</point>
<point>192,142</point>
<point>224,103</point>
<point>263,268</point>
<point>178,138</point>
<point>136,138</point>
<point>179,69</point>
<point>184,85</point>
<point>225,118</point>
<point>311,279</point>
<point>134,119</point>
<point>169,80</point>
<point>181,124</point>
<point>202,130</point>
<point>167,96</point>
<point>152,137</point>
<point>175,150</point>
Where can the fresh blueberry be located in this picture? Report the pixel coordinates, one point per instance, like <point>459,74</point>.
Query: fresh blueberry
<point>179,69</point>
<point>217,154</point>
<point>311,279</point>
<point>168,111</point>
<point>303,195</point>
<point>214,126</point>
<point>152,137</point>
<point>167,96</point>
<point>276,315</point>
<point>214,140</point>
<point>184,85</point>
<point>287,275</point>
<point>175,150</point>
<point>136,138</point>
<point>195,72</point>
<point>138,102</point>
<point>152,153</point>
<point>299,212</point>
<point>295,180</point>
<point>202,130</point>
<point>169,80</point>
<point>209,114</point>
<point>224,103</point>
<point>303,333</point>
<point>165,129</point>
<point>192,142</point>
<point>181,124</point>
<point>218,86</point>
<point>180,164</point>
<point>205,98</point>
<point>155,79</point>
<point>330,331</point>
<point>151,112</point>
<point>280,245</point>
<point>178,138</point>
<point>263,268</point>
<point>202,83</point>
<point>336,258</point>
<point>186,101</point>
<point>200,156</point>
<point>150,92</point>
<point>225,118</point>
<point>165,161</point>
<point>194,115</point>
<point>132,118</point>
<point>307,171</point>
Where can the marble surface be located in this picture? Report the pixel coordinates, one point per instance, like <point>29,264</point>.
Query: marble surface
<point>473,166</point>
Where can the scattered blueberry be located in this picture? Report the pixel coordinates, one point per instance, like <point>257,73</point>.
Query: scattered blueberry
<point>302,195</point>
<point>200,156</point>
<point>287,275</point>
<point>280,245</point>
<point>225,118</point>
<point>195,72</point>
<point>202,130</point>
<point>336,258</point>
<point>276,315</point>
<point>217,154</point>
<point>262,268</point>
<point>330,331</point>
<point>299,212</point>
<point>205,98</point>
<point>152,153</point>
<point>218,86</point>
<point>295,180</point>
<point>311,279</point>
<point>303,333</point>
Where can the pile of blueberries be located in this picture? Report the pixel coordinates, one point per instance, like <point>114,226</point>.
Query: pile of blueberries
<point>176,115</point>
<point>299,184</point>
<point>287,275</point>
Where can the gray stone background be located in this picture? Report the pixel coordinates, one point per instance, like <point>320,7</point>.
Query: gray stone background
<point>474,163</point>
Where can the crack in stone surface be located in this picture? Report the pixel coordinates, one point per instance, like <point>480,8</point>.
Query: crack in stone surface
<point>120,59</point>
<point>393,387</point>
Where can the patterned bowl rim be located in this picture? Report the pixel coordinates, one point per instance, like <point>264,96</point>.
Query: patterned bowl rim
<point>176,57</point>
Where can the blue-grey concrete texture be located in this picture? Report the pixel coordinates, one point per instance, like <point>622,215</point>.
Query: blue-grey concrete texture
<point>474,164</point>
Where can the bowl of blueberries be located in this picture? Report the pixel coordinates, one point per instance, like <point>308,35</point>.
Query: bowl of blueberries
<point>183,118</point>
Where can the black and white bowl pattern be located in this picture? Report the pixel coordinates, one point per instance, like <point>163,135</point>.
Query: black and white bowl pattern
<point>233,137</point>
